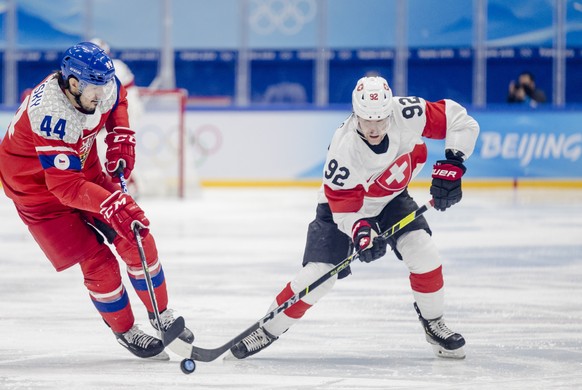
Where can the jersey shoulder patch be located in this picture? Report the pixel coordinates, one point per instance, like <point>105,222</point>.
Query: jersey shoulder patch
<point>51,114</point>
<point>410,113</point>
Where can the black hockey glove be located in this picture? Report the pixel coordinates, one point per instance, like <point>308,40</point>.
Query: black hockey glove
<point>367,241</point>
<point>446,180</point>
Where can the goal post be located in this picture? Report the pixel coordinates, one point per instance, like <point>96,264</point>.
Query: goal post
<point>164,167</point>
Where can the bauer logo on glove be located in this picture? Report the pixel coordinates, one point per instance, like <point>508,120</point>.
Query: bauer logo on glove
<point>447,174</point>
<point>446,181</point>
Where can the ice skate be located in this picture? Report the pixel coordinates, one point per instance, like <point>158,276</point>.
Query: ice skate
<point>253,343</point>
<point>167,319</point>
<point>141,344</point>
<point>445,343</point>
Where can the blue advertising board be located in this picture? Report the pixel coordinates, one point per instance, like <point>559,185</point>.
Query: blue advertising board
<point>534,144</point>
<point>512,145</point>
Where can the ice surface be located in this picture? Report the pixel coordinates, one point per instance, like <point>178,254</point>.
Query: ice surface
<point>513,272</point>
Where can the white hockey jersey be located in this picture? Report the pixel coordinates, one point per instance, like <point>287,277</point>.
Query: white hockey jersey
<point>135,107</point>
<point>359,183</point>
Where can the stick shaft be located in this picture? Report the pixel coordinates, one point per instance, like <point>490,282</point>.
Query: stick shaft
<point>144,264</point>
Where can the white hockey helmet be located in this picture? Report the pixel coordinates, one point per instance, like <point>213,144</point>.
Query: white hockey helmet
<point>372,98</point>
<point>102,44</point>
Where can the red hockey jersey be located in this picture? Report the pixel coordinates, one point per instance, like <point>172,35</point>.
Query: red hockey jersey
<point>48,157</point>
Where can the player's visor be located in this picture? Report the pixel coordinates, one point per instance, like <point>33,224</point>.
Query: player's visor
<point>97,92</point>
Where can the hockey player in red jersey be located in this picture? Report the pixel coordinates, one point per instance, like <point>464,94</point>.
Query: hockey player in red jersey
<point>372,158</point>
<point>50,169</point>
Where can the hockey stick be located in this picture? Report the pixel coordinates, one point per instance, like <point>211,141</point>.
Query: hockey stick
<point>208,355</point>
<point>169,335</point>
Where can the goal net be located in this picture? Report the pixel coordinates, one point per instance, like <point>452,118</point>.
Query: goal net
<point>164,166</point>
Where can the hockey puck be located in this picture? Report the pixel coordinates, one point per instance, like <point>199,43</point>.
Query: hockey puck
<point>188,366</point>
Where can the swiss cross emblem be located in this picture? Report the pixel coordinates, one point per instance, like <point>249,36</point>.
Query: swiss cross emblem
<point>397,176</point>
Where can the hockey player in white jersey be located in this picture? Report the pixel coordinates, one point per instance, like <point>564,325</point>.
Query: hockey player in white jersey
<point>372,158</point>
<point>135,109</point>
<point>126,77</point>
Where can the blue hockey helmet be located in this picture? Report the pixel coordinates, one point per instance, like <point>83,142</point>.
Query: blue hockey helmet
<point>88,63</point>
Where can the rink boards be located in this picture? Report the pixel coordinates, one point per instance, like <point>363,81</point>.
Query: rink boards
<point>288,147</point>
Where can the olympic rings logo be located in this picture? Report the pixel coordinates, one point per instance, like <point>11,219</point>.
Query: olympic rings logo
<point>206,140</point>
<point>286,16</point>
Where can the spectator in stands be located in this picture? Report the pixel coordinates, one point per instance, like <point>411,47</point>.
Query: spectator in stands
<point>525,90</point>
<point>286,92</point>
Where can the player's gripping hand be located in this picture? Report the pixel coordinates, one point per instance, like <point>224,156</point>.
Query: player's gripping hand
<point>367,241</point>
<point>122,213</point>
<point>446,181</point>
<point>120,153</point>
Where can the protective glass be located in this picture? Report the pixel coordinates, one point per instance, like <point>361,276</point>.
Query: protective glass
<point>97,92</point>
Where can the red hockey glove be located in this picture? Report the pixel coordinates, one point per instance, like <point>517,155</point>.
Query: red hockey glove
<point>446,181</point>
<point>122,213</point>
<point>367,241</point>
<point>120,152</point>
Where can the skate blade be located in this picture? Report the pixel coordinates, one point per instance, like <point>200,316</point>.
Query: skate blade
<point>441,352</point>
<point>160,356</point>
<point>229,357</point>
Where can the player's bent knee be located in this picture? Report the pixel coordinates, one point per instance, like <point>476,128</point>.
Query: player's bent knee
<point>418,251</point>
<point>101,272</point>
<point>310,273</point>
<point>130,255</point>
